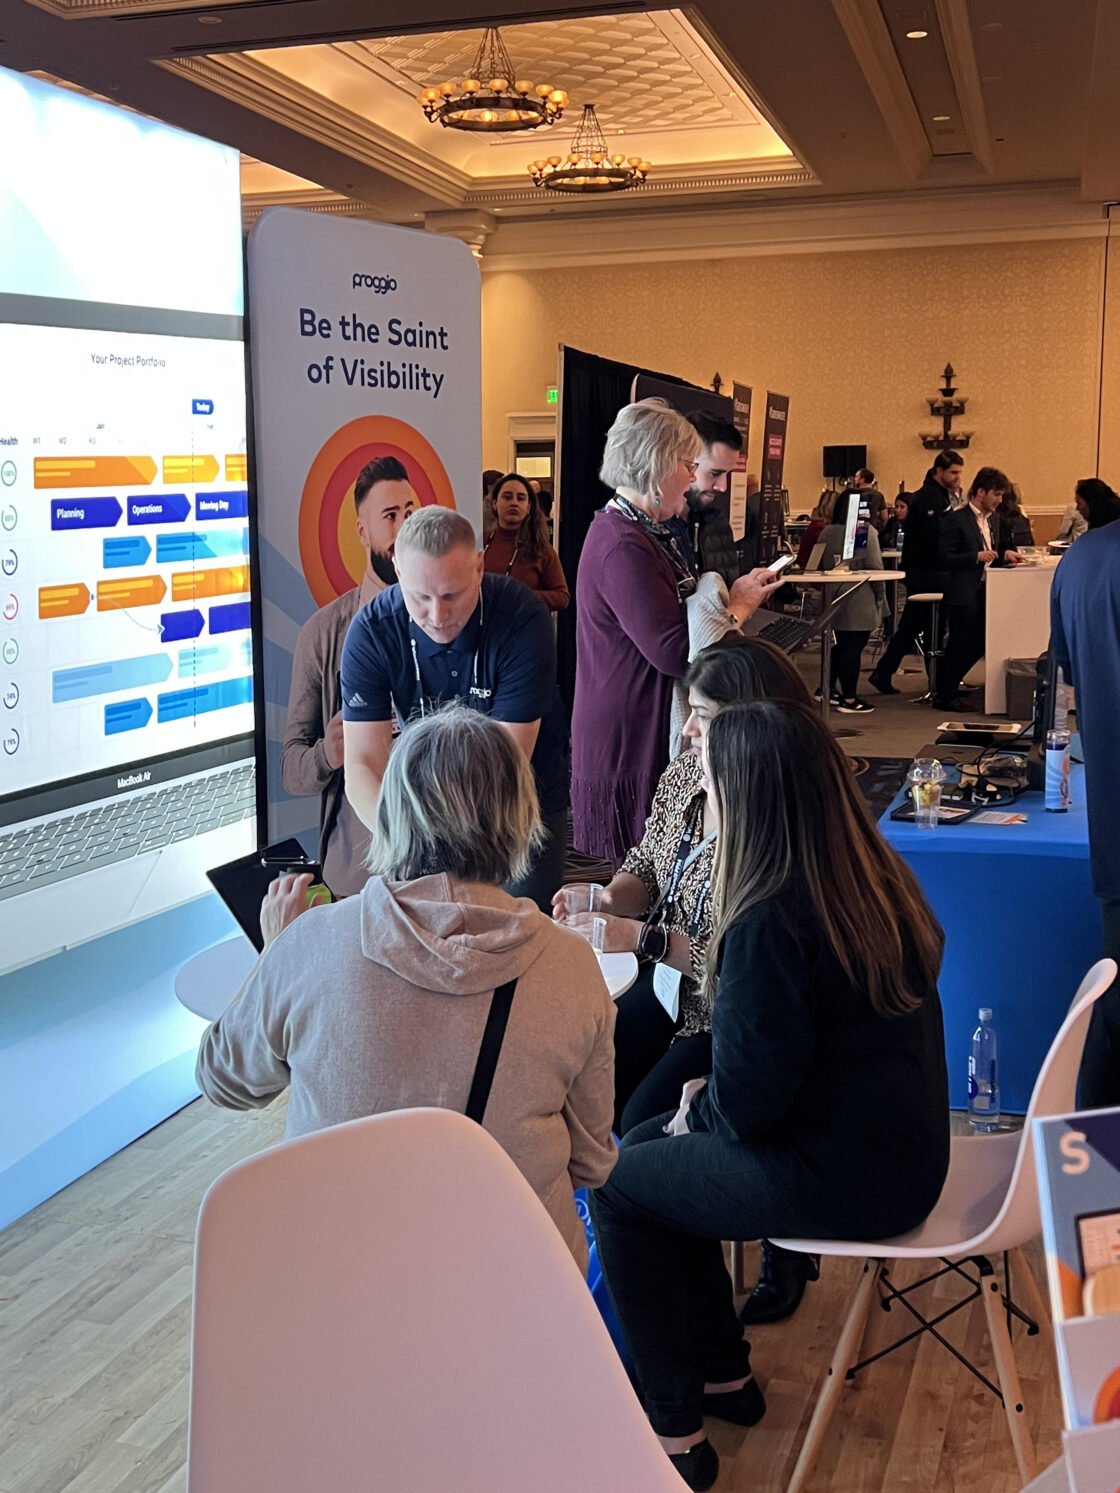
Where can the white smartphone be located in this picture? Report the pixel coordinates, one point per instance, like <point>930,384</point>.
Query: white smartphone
<point>780,564</point>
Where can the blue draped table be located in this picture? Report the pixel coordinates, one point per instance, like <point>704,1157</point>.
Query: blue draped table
<point>1021,928</point>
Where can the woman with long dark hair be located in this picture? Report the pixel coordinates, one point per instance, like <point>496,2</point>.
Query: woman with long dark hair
<point>1096,502</point>
<point>826,1113</point>
<point>658,903</point>
<point>1016,526</point>
<point>518,543</point>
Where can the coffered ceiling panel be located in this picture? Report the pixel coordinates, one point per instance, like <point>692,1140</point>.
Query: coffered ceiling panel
<point>643,72</point>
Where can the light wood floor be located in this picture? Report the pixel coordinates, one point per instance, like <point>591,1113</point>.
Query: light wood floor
<point>94,1324</point>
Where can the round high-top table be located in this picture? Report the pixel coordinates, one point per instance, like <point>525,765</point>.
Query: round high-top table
<point>206,984</point>
<point>830,581</point>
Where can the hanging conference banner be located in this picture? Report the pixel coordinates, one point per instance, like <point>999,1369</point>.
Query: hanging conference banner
<point>774,440</point>
<point>741,396</point>
<point>365,344</point>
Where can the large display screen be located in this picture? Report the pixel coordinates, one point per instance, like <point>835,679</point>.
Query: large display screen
<point>125,630</point>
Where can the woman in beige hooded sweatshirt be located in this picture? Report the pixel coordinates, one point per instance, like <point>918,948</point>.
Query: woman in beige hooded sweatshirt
<point>379,1002</point>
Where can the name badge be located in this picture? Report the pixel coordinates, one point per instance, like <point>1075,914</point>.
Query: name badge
<point>667,988</point>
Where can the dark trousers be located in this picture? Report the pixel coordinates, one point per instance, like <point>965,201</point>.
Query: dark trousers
<point>964,647</point>
<point>847,653</point>
<point>1098,1083</point>
<point>659,1225</point>
<point>546,870</point>
<point>650,1069</point>
<point>915,619</point>
<point>661,1217</point>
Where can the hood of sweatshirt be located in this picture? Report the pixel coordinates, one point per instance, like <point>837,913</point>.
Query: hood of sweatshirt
<point>455,937</point>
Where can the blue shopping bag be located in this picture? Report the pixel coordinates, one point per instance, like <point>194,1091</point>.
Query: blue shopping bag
<point>597,1285</point>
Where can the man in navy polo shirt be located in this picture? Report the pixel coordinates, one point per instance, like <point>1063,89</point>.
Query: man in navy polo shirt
<point>448,632</point>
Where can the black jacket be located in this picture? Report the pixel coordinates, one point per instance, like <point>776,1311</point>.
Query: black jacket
<point>1017,526</point>
<point>928,507</point>
<point>961,542</point>
<point>846,1111</point>
<point>712,541</point>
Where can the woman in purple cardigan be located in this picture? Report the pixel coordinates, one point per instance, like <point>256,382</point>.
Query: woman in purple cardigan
<point>631,633</point>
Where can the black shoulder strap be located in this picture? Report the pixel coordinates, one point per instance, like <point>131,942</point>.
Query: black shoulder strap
<point>490,1050</point>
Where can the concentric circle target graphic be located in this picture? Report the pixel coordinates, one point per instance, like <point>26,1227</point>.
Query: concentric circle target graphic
<point>332,557</point>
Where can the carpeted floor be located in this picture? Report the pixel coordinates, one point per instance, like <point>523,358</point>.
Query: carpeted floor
<point>879,779</point>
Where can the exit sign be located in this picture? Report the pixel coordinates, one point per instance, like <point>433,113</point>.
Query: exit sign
<point>552,395</point>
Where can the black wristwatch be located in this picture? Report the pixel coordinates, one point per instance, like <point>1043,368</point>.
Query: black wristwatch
<point>653,943</point>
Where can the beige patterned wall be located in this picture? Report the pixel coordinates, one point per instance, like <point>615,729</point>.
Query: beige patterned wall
<point>856,339</point>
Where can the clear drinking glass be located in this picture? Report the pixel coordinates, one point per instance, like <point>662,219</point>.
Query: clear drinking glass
<point>925,778</point>
<point>598,935</point>
<point>583,897</point>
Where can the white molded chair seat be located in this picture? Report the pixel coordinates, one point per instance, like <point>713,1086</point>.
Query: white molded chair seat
<point>980,1171</point>
<point>387,1305</point>
<point>988,1206</point>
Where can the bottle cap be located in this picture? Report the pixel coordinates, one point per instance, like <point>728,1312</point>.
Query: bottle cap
<point>985,1013</point>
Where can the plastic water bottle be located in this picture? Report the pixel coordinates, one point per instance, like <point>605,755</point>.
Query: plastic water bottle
<point>1057,772</point>
<point>1061,701</point>
<point>983,1075</point>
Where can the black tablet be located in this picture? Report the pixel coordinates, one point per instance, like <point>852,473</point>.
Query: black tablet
<point>242,884</point>
<point>946,813</point>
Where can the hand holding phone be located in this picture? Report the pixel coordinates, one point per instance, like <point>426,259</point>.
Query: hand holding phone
<point>287,867</point>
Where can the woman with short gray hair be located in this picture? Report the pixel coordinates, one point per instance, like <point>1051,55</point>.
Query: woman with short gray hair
<point>380,1002</point>
<point>631,634</point>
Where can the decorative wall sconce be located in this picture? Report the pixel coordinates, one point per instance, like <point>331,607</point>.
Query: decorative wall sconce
<point>946,409</point>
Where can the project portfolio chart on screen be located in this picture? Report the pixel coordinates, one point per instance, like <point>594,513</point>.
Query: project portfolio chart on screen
<point>126,659</point>
<point>125,549</point>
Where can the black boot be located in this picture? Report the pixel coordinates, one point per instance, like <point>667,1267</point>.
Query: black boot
<point>781,1285</point>
<point>699,1467</point>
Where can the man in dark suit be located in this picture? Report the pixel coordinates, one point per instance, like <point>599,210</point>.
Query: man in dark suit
<point>972,539</point>
<point>927,510</point>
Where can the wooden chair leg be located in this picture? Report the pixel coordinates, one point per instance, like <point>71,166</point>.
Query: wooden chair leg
<point>842,1359</point>
<point>1032,1298</point>
<point>1004,1355</point>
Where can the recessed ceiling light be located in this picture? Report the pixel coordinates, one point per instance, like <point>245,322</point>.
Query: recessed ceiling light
<point>209,20</point>
<point>941,118</point>
<point>916,35</point>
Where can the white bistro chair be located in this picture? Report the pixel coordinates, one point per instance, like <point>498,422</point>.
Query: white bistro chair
<point>988,1207</point>
<point>387,1305</point>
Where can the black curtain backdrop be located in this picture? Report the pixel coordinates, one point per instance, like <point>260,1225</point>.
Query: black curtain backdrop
<point>592,391</point>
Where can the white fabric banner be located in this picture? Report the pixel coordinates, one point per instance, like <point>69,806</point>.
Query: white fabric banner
<point>365,342</point>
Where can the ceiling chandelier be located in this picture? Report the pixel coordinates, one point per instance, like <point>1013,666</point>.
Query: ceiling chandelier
<point>589,165</point>
<point>492,97</point>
